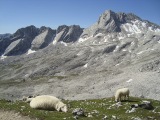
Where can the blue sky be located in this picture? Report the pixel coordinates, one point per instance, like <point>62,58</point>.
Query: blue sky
<point>15,14</point>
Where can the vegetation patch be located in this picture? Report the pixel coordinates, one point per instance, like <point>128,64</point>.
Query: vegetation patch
<point>96,109</point>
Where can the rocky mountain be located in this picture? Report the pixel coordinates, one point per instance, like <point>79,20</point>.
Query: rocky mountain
<point>119,50</point>
<point>20,41</point>
<point>7,35</point>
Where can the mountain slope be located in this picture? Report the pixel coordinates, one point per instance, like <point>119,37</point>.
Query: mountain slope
<point>119,50</point>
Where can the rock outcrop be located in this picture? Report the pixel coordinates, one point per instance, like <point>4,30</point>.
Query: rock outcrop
<point>68,33</point>
<point>109,22</point>
<point>21,41</point>
<point>44,38</point>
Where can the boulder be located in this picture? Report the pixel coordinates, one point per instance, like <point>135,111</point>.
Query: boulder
<point>146,105</point>
<point>78,112</point>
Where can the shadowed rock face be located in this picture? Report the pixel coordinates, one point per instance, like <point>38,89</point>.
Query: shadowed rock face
<point>21,40</point>
<point>35,38</point>
<point>69,33</point>
<point>44,38</point>
<point>4,43</point>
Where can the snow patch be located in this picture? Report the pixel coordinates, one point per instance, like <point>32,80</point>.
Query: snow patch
<point>54,42</point>
<point>86,65</point>
<point>58,36</point>
<point>157,30</point>
<point>84,39</point>
<point>99,34</point>
<point>136,26</point>
<point>3,57</point>
<point>124,50</point>
<point>130,80</point>
<point>150,28</point>
<point>144,24</point>
<point>131,28</point>
<point>117,64</point>
<point>65,44</point>
<point>30,51</point>
<point>117,48</point>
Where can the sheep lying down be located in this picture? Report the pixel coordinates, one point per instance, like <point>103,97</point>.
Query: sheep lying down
<point>47,102</point>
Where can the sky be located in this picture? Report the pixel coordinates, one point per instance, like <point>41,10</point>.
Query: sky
<point>15,14</point>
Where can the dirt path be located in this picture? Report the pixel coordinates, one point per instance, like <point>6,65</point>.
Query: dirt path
<point>11,115</point>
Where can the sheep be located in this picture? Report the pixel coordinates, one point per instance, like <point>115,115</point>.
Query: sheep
<point>124,92</point>
<point>47,102</point>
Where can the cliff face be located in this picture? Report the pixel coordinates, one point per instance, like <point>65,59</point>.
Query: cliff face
<point>43,39</point>
<point>68,33</point>
<point>20,41</point>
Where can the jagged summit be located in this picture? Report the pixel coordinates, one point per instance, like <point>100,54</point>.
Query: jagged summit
<point>68,33</point>
<point>119,17</point>
<point>121,24</point>
<point>29,31</point>
<point>108,21</point>
<point>111,22</point>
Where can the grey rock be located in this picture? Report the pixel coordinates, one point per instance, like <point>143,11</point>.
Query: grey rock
<point>27,32</point>
<point>151,66</point>
<point>132,110</point>
<point>105,117</point>
<point>109,22</point>
<point>78,112</point>
<point>4,43</point>
<point>42,40</point>
<point>21,41</point>
<point>146,105</point>
<point>135,106</point>
<point>68,33</point>
<point>7,35</point>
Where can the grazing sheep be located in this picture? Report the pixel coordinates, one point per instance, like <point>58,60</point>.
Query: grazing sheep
<point>124,92</point>
<point>47,102</point>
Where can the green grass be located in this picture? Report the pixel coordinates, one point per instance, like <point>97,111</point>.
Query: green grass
<point>89,106</point>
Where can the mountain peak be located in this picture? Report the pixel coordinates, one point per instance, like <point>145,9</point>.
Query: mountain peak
<point>111,22</point>
<point>109,12</point>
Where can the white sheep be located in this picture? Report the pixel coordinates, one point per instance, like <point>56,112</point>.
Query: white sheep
<point>47,102</point>
<point>124,92</point>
